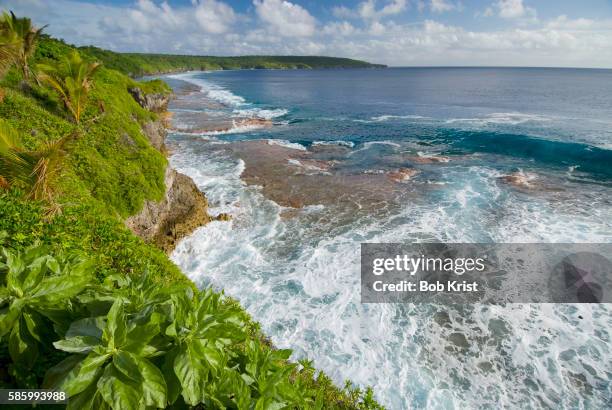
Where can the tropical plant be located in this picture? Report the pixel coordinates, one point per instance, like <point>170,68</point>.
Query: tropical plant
<point>23,36</point>
<point>35,298</point>
<point>71,78</point>
<point>112,365</point>
<point>202,331</point>
<point>29,169</point>
<point>9,50</point>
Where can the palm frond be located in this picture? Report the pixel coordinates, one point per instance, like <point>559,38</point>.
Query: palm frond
<point>71,79</point>
<point>23,39</point>
<point>32,170</point>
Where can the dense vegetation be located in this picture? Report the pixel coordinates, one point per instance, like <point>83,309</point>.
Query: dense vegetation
<point>143,64</point>
<point>86,306</point>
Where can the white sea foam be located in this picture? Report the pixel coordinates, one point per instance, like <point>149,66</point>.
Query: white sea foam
<point>389,143</point>
<point>501,118</point>
<point>349,144</point>
<point>261,113</point>
<point>382,118</point>
<point>236,128</point>
<point>287,144</point>
<point>213,91</point>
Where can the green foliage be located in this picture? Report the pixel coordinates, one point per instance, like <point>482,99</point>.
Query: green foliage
<point>22,36</point>
<point>71,79</point>
<point>9,50</point>
<point>35,298</point>
<point>88,229</point>
<point>142,64</point>
<point>155,86</point>
<point>134,345</point>
<point>30,169</point>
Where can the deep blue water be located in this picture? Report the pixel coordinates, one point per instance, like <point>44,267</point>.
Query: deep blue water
<point>555,117</point>
<point>298,273</point>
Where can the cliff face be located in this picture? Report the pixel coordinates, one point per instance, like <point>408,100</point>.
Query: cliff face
<point>183,208</point>
<point>151,102</point>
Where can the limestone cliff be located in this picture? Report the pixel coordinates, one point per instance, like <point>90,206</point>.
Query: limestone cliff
<point>182,210</point>
<point>152,102</point>
<point>184,207</point>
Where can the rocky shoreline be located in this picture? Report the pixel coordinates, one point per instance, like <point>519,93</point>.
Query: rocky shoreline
<point>184,207</point>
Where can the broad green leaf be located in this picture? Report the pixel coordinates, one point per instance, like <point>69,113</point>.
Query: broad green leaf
<point>4,295</point>
<point>116,329</point>
<point>22,347</point>
<point>140,335</point>
<point>8,316</point>
<point>210,354</point>
<point>82,374</point>
<point>58,373</point>
<point>34,273</point>
<point>33,323</point>
<point>55,289</point>
<point>172,382</point>
<point>232,385</point>
<point>90,326</point>
<point>77,344</point>
<point>118,391</point>
<point>154,386</point>
<point>88,399</point>
<point>190,371</point>
<point>126,364</point>
<point>15,265</point>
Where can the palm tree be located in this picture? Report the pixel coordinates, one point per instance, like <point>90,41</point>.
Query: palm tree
<point>9,44</point>
<point>71,78</point>
<point>25,35</point>
<point>28,169</point>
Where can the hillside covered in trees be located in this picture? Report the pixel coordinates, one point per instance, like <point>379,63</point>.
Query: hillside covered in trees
<point>142,64</point>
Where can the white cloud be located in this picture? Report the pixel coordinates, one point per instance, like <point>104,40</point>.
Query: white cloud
<point>214,16</point>
<point>339,28</point>
<point>368,11</point>
<point>286,18</point>
<point>441,6</point>
<point>343,12</point>
<point>513,9</point>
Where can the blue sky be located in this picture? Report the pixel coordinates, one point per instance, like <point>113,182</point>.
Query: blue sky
<point>394,32</point>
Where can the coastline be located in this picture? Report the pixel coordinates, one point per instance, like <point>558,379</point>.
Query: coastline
<point>184,207</point>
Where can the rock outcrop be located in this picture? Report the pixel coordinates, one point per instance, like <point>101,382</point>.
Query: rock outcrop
<point>183,209</point>
<point>151,102</point>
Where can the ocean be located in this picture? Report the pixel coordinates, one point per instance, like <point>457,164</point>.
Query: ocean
<point>312,163</point>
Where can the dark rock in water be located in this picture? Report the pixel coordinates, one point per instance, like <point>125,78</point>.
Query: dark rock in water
<point>223,217</point>
<point>183,209</point>
<point>151,102</point>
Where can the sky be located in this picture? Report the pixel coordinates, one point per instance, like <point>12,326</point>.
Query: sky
<point>562,33</point>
